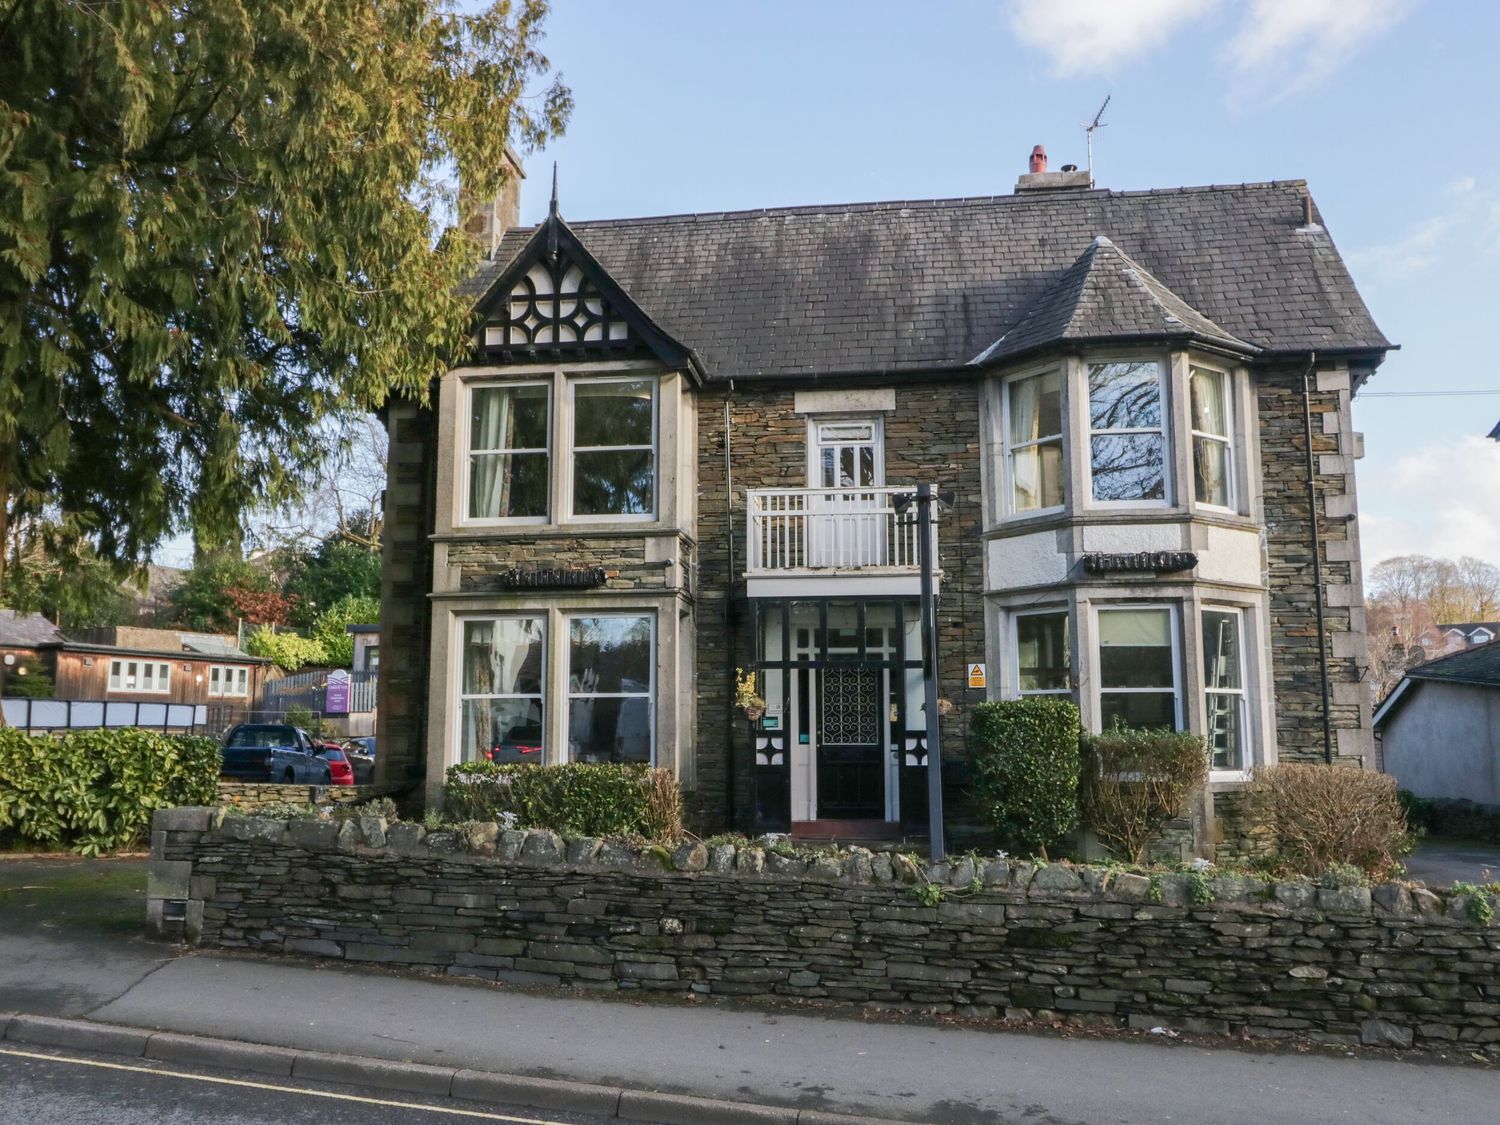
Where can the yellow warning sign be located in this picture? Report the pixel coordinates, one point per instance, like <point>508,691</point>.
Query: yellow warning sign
<point>976,675</point>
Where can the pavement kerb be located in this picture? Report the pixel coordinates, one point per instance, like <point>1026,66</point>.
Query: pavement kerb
<point>420,1078</point>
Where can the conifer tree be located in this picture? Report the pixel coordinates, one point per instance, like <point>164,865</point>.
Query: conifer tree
<point>220,223</point>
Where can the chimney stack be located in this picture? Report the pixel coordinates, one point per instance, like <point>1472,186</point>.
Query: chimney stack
<point>1039,179</point>
<point>487,220</point>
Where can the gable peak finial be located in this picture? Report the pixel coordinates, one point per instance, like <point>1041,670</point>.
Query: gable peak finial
<point>552,208</point>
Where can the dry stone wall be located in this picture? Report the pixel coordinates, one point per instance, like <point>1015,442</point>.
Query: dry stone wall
<point>1393,965</point>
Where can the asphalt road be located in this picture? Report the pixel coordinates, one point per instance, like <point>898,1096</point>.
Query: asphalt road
<point>1439,863</point>
<point>43,1087</point>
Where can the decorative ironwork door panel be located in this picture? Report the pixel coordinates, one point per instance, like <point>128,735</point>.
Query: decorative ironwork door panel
<point>851,766</point>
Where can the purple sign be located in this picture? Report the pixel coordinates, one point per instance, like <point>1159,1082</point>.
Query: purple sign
<point>336,696</point>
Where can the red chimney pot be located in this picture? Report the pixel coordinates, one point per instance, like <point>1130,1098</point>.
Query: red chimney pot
<point>1038,159</point>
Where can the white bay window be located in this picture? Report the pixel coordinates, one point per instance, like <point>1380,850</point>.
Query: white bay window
<point>1139,683</point>
<point>614,447</point>
<point>509,428</point>
<point>1127,432</point>
<point>1033,424</point>
<point>1224,688</point>
<point>611,677</point>
<point>502,690</point>
<point>1042,656</point>
<point>1213,460</point>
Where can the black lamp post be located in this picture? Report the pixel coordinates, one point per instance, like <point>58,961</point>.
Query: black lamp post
<point>924,498</point>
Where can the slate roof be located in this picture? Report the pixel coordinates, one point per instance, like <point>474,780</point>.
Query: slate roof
<point>26,630</point>
<point>1478,666</point>
<point>1467,627</point>
<point>913,286</point>
<point>210,644</point>
<point>1105,296</point>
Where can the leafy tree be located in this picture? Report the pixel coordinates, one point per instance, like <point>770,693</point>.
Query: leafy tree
<point>331,629</point>
<point>206,601</point>
<point>219,226</point>
<point>337,569</point>
<point>56,573</point>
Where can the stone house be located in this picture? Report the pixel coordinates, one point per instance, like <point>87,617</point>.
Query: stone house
<point>684,446</point>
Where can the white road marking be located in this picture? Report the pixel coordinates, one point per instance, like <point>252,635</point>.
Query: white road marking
<point>280,1089</point>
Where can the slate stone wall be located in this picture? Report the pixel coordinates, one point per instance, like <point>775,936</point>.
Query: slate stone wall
<point>405,582</point>
<point>1392,965</point>
<point>1294,637</point>
<point>248,796</point>
<point>933,437</point>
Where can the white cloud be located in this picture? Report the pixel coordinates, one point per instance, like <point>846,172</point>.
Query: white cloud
<point>1277,48</point>
<point>1439,500</point>
<point>1468,223</point>
<point>1284,46</point>
<point>1084,36</point>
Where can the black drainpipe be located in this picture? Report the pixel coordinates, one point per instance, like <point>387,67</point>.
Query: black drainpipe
<point>730,670</point>
<point>1312,521</point>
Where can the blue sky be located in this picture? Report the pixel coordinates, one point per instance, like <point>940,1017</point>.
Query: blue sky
<point>1386,107</point>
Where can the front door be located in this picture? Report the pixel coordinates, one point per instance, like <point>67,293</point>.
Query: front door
<point>850,749</point>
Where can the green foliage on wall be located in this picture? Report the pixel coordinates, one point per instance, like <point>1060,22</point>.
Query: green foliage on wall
<point>1025,769</point>
<point>576,799</point>
<point>331,630</point>
<point>288,651</point>
<point>94,791</point>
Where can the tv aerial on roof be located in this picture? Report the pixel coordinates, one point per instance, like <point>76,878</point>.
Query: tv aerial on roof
<point>1088,130</point>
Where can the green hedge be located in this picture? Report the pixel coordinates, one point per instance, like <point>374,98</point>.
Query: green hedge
<point>1025,769</point>
<point>94,790</point>
<point>1452,818</point>
<point>576,799</point>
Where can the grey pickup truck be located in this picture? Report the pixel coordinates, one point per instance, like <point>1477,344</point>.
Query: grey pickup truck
<point>272,752</point>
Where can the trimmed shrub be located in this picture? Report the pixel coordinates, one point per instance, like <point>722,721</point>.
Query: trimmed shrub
<point>94,791</point>
<point>1330,815</point>
<point>1025,769</point>
<point>575,799</point>
<point>1135,781</point>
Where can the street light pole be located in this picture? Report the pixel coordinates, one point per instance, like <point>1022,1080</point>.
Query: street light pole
<point>930,672</point>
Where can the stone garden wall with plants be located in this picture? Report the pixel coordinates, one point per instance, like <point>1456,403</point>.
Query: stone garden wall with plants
<point>253,796</point>
<point>1393,964</point>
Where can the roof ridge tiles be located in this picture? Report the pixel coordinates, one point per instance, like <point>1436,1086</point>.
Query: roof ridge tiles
<point>1009,199</point>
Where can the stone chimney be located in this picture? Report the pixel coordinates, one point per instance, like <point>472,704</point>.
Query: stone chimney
<point>487,220</point>
<point>1039,179</point>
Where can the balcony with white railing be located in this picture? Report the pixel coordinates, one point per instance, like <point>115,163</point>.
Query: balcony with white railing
<point>799,538</point>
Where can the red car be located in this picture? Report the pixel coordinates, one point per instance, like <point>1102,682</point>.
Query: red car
<point>340,769</point>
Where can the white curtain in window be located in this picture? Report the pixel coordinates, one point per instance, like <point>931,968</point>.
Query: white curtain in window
<point>1025,463</point>
<point>491,424</point>
<point>1210,416</point>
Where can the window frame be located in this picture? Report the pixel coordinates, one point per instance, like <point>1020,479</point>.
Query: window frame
<point>571,448</point>
<point>235,672</point>
<point>1164,428</point>
<point>1242,693</point>
<point>1008,509</point>
<point>1174,634</point>
<point>467,453</point>
<point>815,447</point>
<point>1227,439</point>
<point>116,679</point>
<point>567,696</point>
<point>461,697</point>
<point>1017,692</point>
